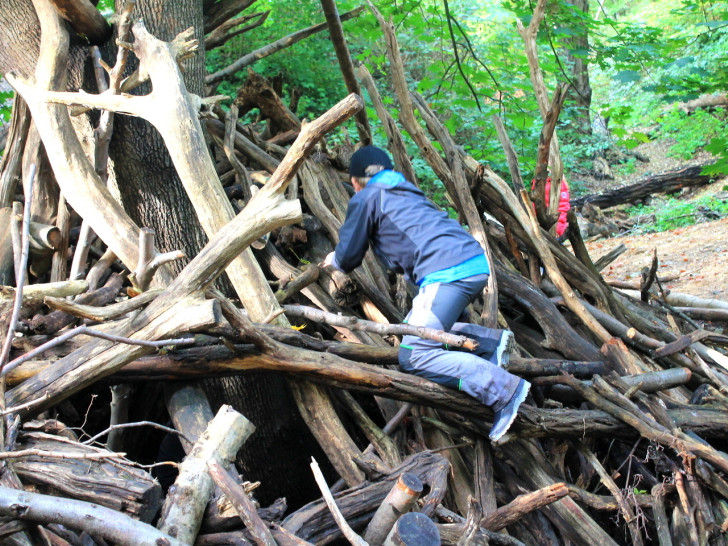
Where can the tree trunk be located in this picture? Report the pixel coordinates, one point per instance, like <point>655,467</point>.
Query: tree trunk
<point>580,91</point>
<point>143,176</point>
<point>154,196</point>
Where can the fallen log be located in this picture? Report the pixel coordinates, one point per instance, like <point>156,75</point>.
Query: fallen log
<point>532,422</point>
<point>92,518</point>
<point>71,474</point>
<point>668,182</point>
<point>705,101</point>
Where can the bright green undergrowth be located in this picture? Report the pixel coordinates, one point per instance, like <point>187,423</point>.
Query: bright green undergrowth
<point>671,212</point>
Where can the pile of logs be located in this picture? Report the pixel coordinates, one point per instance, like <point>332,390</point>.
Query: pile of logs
<point>621,442</point>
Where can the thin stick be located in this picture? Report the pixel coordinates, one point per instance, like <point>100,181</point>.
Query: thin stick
<point>137,424</point>
<point>20,278</point>
<point>20,407</point>
<point>83,329</point>
<point>349,533</point>
<point>16,238</point>
<point>352,323</point>
<point>58,455</point>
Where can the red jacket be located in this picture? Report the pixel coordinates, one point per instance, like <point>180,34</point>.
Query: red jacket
<point>564,205</point>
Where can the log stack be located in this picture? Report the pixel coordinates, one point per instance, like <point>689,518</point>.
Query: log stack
<point>622,442</point>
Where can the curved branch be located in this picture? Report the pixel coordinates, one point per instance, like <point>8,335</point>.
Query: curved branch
<point>449,18</point>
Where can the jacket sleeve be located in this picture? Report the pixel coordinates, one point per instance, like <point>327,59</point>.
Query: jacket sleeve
<point>354,235</point>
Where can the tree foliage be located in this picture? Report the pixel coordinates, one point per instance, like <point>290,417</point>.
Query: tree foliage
<point>467,60</point>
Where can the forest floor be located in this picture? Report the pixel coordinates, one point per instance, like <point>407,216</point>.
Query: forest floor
<point>694,258</point>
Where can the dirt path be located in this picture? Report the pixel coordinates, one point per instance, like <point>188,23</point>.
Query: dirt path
<point>697,255</point>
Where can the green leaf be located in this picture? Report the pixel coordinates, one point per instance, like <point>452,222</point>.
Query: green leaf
<point>564,31</point>
<point>619,132</point>
<point>717,146</point>
<point>713,24</point>
<point>627,76</point>
<point>717,168</point>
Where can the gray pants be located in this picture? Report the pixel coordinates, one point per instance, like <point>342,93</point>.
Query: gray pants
<point>439,306</point>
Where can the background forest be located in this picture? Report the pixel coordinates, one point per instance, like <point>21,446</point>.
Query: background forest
<point>631,66</point>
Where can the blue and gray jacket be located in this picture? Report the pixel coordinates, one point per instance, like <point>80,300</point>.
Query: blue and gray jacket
<point>408,232</point>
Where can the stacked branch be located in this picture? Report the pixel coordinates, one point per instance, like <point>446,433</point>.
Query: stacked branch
<point>628,416</point>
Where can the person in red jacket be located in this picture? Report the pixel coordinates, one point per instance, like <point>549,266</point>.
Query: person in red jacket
<point>564,205</point>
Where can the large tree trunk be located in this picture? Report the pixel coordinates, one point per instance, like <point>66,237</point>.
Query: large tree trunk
<point>143,175</point>
<point>154,196</point>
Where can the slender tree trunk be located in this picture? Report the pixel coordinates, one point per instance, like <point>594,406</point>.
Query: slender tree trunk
<point>581,91</point>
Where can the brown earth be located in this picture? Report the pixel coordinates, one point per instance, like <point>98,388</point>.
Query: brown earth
<point>696,257</point>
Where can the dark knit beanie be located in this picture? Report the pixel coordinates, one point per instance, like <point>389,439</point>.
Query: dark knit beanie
<point>366,156</point>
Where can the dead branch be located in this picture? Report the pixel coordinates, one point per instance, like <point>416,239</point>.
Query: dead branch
<point>96,520</point>
<point>184,506</point>
<point>224,32</point>
<point>348,532</point>
<point>274,47</point>
<point>20,277</point>
<point>353,323</point>
<point>523,504</point>
<point>98,313</point>
<point>336,32</point>
<point>242,503</point>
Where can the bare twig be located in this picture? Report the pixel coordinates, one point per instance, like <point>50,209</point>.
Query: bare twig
<point>20,278</point>
<point>137,424</point>
<point>349,533</point>
<point>20,407</point>
<point>83,329</point>
<point>59,455</point>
